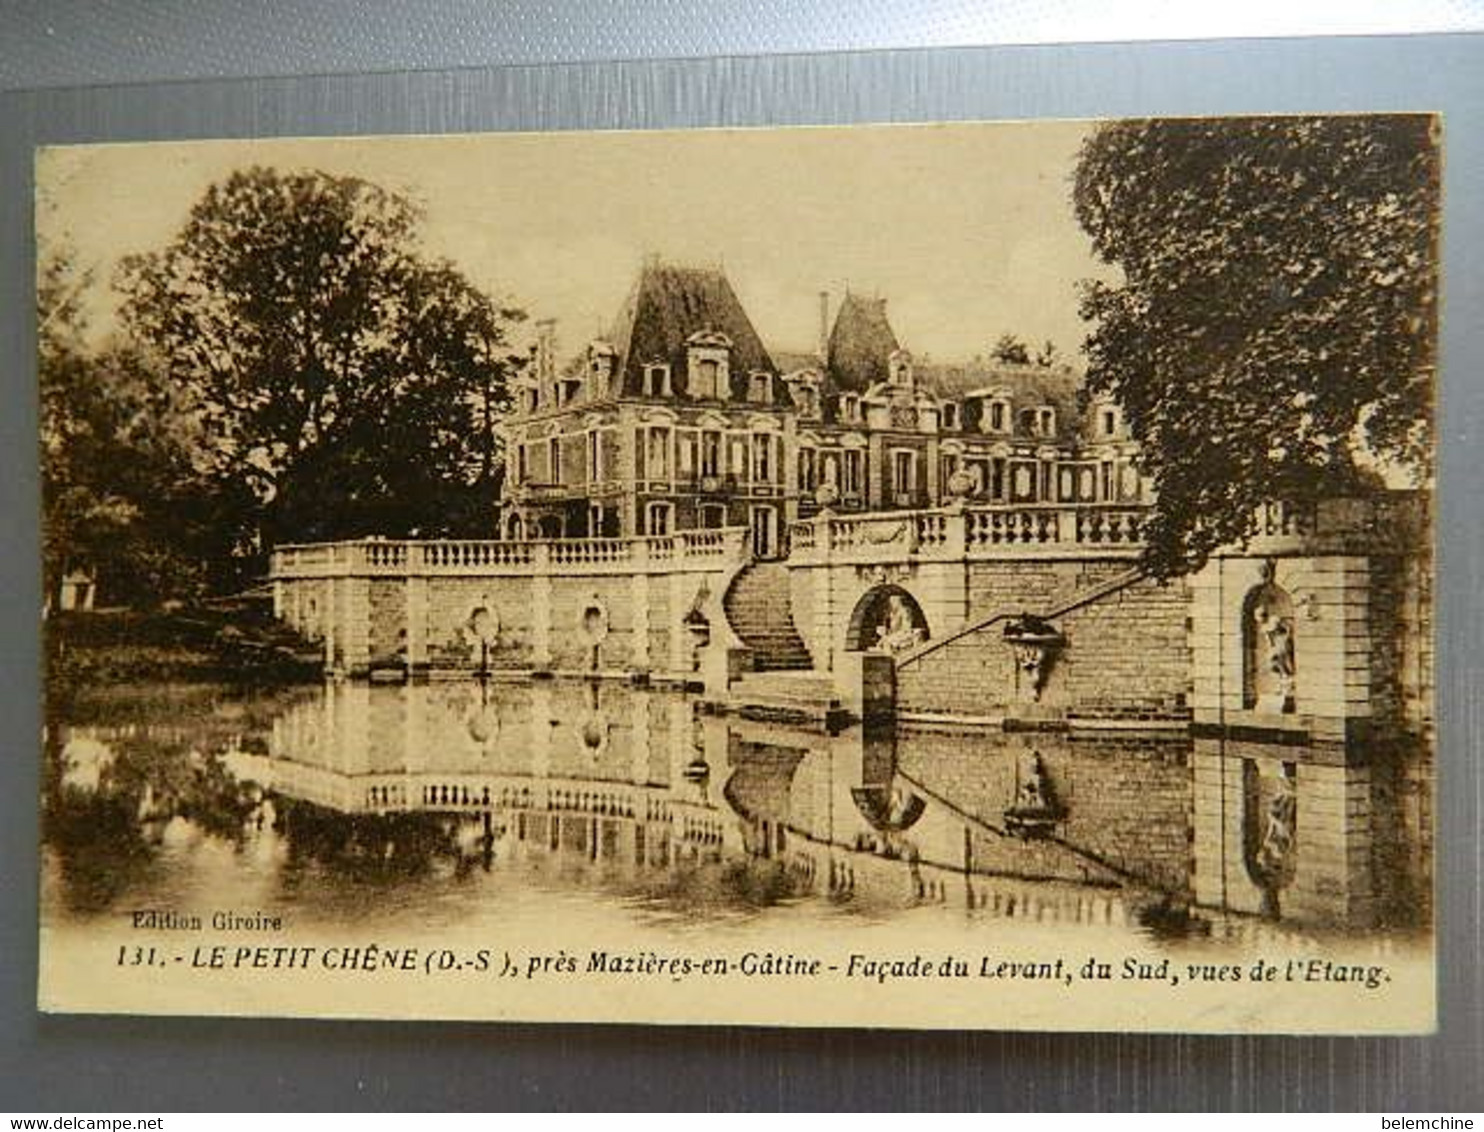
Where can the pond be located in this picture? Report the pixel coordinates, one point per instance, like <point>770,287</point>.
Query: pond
<point>571,812</point>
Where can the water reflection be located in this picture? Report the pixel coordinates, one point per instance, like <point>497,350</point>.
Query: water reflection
<point>343,801</point>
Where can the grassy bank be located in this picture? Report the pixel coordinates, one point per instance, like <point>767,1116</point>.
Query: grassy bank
<point>238,644</point>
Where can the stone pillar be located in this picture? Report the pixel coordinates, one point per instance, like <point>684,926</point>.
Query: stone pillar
<point>1332,640</point>
<point>540,729</point>
<point>639,609</point>
<point>278,598</point>
<point>415,622</point>
<point>356,622</point>
<point>541,607</point>
<point>1219,879</point>
<point>679,606</point>
<point>330,619</point>
<point>1216,637</point>
<point>1334,882</point>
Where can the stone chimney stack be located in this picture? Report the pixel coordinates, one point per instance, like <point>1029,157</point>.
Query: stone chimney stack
<point>546,351</point>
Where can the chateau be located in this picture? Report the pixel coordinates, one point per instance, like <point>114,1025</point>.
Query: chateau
<point>681,419</point>
<point>856,536</point>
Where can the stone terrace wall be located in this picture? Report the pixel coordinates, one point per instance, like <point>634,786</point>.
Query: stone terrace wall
<point>413,606</point>
<point>1127,653</point>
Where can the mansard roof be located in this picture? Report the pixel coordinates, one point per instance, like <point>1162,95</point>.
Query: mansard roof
<point>860,343</point>
<point>669,305</point>
<point>1027,386</point>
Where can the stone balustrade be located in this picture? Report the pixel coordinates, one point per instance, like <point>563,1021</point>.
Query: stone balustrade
<point>685,550</point>
<point>971,532</point>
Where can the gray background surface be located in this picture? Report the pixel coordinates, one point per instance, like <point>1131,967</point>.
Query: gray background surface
<point>117,1064</point>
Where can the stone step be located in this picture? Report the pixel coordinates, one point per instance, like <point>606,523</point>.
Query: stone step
<point>757,608</point>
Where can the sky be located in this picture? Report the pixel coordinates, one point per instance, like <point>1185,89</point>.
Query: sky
<point>966,229</point>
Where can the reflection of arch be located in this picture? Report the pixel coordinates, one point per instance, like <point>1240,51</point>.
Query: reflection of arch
<point>1268,670</point>
<point>887,616</point>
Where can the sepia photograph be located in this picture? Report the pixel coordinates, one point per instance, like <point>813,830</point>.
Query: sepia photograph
<point>965,575</point>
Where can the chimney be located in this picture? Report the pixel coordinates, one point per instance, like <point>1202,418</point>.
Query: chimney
<point>545,350</point>
<point>824,327</point>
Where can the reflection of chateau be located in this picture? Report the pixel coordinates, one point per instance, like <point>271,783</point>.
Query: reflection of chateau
<point>680,418</point>
<point>628,783</point>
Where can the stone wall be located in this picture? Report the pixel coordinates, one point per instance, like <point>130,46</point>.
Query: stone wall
<point>530,621</point>
<point>1126,653</point>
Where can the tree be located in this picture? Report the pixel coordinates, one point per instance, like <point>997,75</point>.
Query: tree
<point>1273,336</point>
<point>1011,351</point>
<point>1048,355</point>
<point>119,499</point>
<point>346,383</point>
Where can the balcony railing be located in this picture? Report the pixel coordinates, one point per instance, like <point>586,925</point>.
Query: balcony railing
<point>1101,530</point>
<point>703,549</point>
<point>987,531</point>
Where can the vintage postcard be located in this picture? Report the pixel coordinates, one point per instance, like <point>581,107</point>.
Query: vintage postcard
<point>967,576</point>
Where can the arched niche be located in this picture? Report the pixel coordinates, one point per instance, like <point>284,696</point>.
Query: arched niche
<point>1269,675</point>
<point>888,618</point>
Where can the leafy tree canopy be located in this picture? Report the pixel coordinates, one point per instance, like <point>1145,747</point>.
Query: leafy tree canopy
<point>346,384</point>
<point>1273,337</point>
<point>1011,350</point>
<point>119,496</point>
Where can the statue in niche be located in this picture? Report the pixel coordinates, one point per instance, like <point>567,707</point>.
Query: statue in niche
<point>1270,666</point>
<point>898,630</point>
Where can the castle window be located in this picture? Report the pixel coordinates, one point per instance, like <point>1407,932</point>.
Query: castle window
<point>949,468</point>
<point>594,450</point>
<point>657,380</point>
<point>737,462</point>
<point>658,462</point>
<point>950,415</point>
<point>849,407</point>
<point>1046,422</point>
<point>522,463</point>
<point>807,469</point>
<point>567,390</point>
<point>762,458</point>
<point>998,419</point>
<point>854,472</point>
<point>711,453</point>
<point>760,389</point>
<point>708,378</point>
<point>659,518</point>
<point>554,460</point>
<point>903,476</point>
<point>1108,421</point>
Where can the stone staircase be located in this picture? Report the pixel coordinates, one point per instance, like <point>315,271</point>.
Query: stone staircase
<point>757,607</point>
